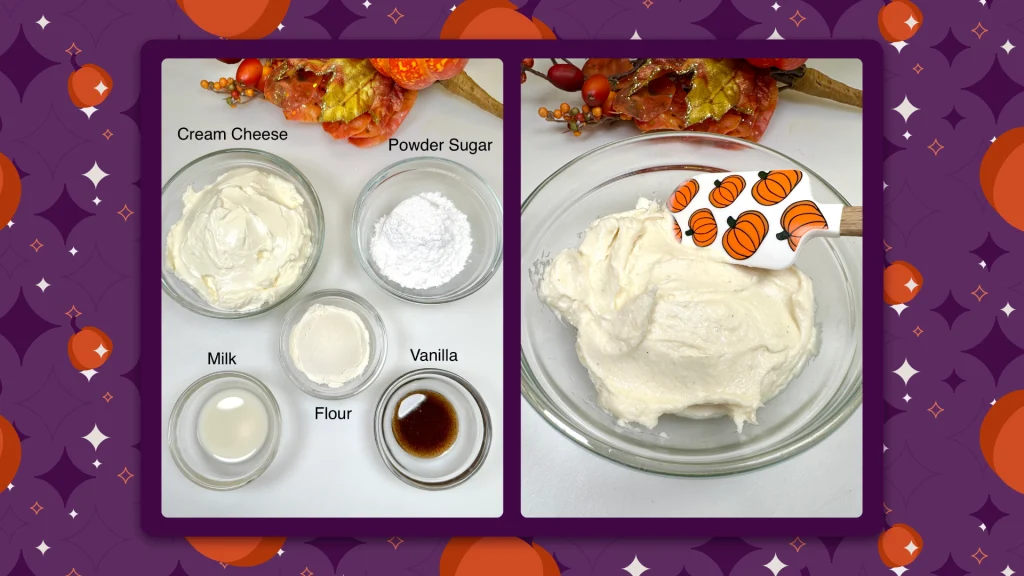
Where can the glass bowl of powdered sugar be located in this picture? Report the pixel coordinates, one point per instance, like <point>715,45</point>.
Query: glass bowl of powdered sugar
<point>428,230</point>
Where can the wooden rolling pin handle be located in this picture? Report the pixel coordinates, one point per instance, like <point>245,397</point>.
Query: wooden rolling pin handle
<point>852,221</point>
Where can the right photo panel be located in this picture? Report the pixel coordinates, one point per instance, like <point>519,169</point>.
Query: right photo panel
<point>691,292</point>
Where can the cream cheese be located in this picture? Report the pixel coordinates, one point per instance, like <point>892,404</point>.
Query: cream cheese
<point>664,327</point>
<point>243,241</point>
<point>330,345</point>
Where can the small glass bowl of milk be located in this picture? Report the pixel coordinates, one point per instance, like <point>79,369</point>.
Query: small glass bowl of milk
<point>224,430</point>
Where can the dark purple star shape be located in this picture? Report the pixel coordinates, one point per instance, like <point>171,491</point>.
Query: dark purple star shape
<point>65,214</point>
<point>334,17</point>
<point>950,47</point>
<point>21,326</point>
<point>989,252</point>
<point>726,21</point>
<point>950,309</point>
<point>989,514</point>
<point>995,351</point>
<point>954,380</point>
<point>22,63</point>
<point>995,88</point>
<point>65,477</point>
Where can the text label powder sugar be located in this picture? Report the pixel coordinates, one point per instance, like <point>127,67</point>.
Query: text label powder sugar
<point>423,243</point>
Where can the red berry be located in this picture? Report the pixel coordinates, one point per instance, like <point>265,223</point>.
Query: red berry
<point>522,77</point>
<point>528,62</point>
<point>230,60</point>
<point>566,77</point>
<point>249,72</point>
<point>596,89</point>
<point>580,118</point>
<point>235,94</point>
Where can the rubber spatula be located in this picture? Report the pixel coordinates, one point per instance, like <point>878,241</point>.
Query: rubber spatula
<point>757,219</point>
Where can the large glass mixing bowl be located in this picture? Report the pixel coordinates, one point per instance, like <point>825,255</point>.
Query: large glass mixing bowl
<point>609,179</point>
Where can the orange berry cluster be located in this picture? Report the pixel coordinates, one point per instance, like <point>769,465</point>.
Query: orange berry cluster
<point>575,118</point>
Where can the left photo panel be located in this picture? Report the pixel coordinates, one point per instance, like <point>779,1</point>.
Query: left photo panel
<point>331,271</point>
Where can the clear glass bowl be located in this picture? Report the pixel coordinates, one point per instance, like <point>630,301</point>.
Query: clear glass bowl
<point>609,179</point>
<point>374,326</point>
<point>183,433</point>
<point>202,172</point>
<point>470,194</point>
<point>463,459</point>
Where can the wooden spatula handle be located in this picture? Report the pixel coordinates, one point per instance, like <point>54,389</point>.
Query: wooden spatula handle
<point>852,221</point>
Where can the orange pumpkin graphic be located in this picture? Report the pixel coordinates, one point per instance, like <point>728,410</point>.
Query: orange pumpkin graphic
<point>89,348</point>
<point>894,545</point>
<point>773,187</point>
<point>798,219</point>
<point>683,195</point>
<point>10,453</point>
<point>236,19</point>
<point>899,20</point>
<point>496,557</point>
<point>745,234</point>
<point>703,227</point>
<point>677,231</point>
<point>10,190</point>
<point>89,86</point>
<point>1002,439</point>
<point>901,282</point>
<point>492,20</point>
<point>1002,170</point>
<point>242,552</point>
<point>419,73</point>
<point>727,191</point>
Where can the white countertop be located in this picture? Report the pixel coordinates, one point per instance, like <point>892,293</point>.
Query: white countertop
<point>332,468</point>
<point>562,479</point>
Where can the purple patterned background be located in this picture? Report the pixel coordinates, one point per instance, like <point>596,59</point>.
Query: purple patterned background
<point>72,247</point>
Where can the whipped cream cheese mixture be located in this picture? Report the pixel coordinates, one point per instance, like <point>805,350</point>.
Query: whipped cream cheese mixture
<point>242,241</point>
<point>664,327</point>
<point>330,345</point>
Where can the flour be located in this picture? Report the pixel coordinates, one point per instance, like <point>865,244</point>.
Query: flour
<point>423,243</point>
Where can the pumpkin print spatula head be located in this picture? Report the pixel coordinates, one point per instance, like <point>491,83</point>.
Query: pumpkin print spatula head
<point>758,219</point>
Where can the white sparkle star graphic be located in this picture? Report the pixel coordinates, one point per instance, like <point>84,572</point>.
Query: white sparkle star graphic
<point>906,372</point>
<point>42,547</point>
<point>884,448</point>
<point>906,135</point>
<point>884,185</point>
<point>911,285</point>
<point>95,174</point>
<point>899,570</point>
<point>775,35</point>
<point>911,548</point>
<point>906,109</point>
<point>899,308</point>
<point>993,139</point>
<point>73,514</point>
<point>452,9</point>
<point>982,526</point>
<point>95,437</point>
<point>42,22</point>
<point>10,486</point>
<point>911,22</point>
<point>280,27</point>
<point>982,264</point>
<point>96,200</point>
<point>88,111</point>
<point>635,568</point>
<point>636,35</point>
<point>367,4</point>
<point>280,551</point>
<point>43,285</point>
<point>1007,46</point>
<point>982,2</point>
<point>776,6</point>
<point>899,46</point>
<point>88,374</point>
<point>993,402</point>
<point>906,398</point>
<point>96,463</point>
<point>1007,309</point>
<point>101,350</point>
<point>101,87</point>
<point>73,251</point>
<point>775,565</point>
<point>10,223</point>
<point>1008,571</point>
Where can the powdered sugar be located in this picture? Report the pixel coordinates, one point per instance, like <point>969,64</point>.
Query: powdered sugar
<point>423,243</point>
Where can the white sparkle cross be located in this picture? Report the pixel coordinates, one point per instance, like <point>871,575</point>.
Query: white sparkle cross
<point>43,285</point>
<point>775,565</point>
<point>95,174</point>
<point>899,570</point>
<point>776,6</point>
<point>42,22</point>
<point>911,285</point>
<point>775,35</point>
<point>1007,571</point>
<point>88,111</point>
<point>635,568</point>
<point>280,551</point>
<point>42,547</point>
<point>905,371</point>
<point>911,22</point>
<point>367,4</point>
<point>636,35</point>
<point>1007,309</point>
<point>101,350</point>
<point>96,463</point>
<point>906,135</point>
<point>1007,46</point>
<point>911,548</point>
<point>88,374</point>
<point>95,437</point>
<point>280,27</point>
<point>101,87</point>
<point>73,251</point>
<point>906,398</point>
<point>899,46</point>
<point>906,109</point>
<point>899,308</point>
<point>73,514</point>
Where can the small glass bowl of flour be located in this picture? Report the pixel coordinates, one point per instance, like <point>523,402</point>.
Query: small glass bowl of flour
<point>428,230</point>
<point>333,344</point>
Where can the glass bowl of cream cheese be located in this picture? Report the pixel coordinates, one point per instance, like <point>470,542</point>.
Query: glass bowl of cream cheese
<point>242,230</point>
<point>655,357</point>
<point>333,344</point>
